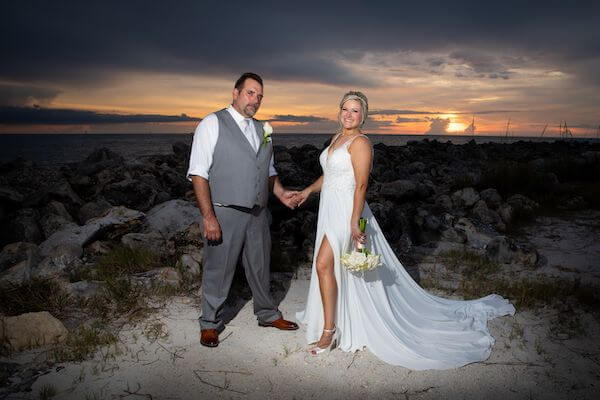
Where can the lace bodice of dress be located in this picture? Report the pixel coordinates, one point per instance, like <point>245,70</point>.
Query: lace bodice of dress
<point>338,173</point>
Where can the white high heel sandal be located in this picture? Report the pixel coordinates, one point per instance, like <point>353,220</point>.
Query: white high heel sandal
<point>315,351</point>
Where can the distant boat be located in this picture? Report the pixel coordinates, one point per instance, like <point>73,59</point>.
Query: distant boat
<point>470,130</point>
<point>564,131</point>
<point>507,127</point>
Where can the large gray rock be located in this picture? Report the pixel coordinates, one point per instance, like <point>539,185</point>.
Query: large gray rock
<point>10,195</point>
<point>399,189</point>
<point>65,194</point>
<point>491,197</point>
<point>93,209</point>
<point>443,202</point>
<point>475,238</point>
<point>507,251</point>
<point>55,218</point>
<point>484,214</point>
<point>14,253</point>
<point>85,289</point>
<point>190,265</point>
<point>171,217</point>
<point>100,159</point>
<point>64,257</point>
<point>522,203</point>
<point>506,212</point>
<point>116,222</point>
<point>132,193</point>
<point>181,149</point>
<point>23,227</point>
<point>32,330</point>
<point>165,276</point>
<point>150,241</point>
<point>465,197</point>
<point>451,235</point>
<point>17,274</point>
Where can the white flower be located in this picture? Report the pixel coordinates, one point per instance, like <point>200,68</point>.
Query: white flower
<point>268,132</point>
<point>360,262</point>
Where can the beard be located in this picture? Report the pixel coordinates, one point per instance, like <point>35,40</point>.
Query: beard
<point>251,110</point>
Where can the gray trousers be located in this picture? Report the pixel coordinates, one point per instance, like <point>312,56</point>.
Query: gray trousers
<point>249,234</point>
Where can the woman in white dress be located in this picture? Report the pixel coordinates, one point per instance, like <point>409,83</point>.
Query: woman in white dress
<point>384,309</point>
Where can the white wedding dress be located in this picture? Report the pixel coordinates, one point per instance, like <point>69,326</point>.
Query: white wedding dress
<point>385,310</point>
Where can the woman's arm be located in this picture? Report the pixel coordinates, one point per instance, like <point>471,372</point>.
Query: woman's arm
<point>313,188</point>
<point>361,154</point>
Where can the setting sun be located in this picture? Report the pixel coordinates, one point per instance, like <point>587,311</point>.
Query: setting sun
<point>456,127</point>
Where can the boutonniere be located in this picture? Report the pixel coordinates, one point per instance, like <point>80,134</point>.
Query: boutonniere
<point>268,132</point>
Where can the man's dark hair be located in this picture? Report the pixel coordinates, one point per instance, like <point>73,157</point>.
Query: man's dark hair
<point>239,84</point>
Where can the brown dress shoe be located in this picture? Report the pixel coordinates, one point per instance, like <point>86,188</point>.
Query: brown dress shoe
<point>280,324</point>
<point>209,337</point>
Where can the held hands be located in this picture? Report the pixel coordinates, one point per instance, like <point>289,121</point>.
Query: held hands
<point>293,199</point>
<point>302,196</point>
<point>288,198</point>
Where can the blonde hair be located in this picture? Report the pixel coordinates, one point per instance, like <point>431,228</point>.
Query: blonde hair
<point>364,105</point>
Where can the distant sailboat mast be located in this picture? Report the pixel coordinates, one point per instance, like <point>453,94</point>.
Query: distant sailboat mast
<point>564,130</point>
<point>470,130</point>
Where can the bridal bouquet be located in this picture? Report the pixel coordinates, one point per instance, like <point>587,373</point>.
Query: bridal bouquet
<point>361,259</point>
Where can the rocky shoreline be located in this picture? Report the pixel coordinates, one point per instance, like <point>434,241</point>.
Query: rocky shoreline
<point>428,196</point>
<point>67,227</point>
<point>424,193</point>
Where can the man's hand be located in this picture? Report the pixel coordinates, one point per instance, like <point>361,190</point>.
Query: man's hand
<point>289,198</point>
<point>212,229</point>
<point>302,196</point>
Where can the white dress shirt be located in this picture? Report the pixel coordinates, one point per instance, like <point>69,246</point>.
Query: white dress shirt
<point>205,140</point>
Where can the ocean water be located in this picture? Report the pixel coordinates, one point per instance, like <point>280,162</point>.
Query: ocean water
<point>57,149</point>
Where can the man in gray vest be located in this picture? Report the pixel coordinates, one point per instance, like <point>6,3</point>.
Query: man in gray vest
<point>231,169</point>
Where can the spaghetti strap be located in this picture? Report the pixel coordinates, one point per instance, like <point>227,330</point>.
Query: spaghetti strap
<point>352,140</point>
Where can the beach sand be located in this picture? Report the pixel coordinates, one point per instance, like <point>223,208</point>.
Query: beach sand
<point>544,353</point>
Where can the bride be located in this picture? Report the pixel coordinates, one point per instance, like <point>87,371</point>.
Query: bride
<point>384,309</point>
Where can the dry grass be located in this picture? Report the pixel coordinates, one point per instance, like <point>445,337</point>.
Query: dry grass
<point>34,296</point>
<point>82,344</point>
<point>479,278</point>
<point>121,300</point>
<point>124,261</point>
<point>469,263</point>
<point>47,392</point>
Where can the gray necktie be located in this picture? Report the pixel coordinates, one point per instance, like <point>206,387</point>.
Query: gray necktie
<point>250,134</point>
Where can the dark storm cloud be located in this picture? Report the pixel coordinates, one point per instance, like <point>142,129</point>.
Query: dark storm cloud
<point>480,65</point>
<point>402,119</point>
<point>21,95</point>
<point>415,112</point>
<point>298,118</point>
<point>54,116</point>
<point>397,112</point>
<point>89,42</point>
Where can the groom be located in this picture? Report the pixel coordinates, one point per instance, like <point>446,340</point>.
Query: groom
<point>231,169</point>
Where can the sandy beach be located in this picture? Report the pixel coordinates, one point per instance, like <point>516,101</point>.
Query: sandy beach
<point>161,358</point>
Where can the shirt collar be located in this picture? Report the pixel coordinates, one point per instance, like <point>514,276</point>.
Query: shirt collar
<point>237,117</point>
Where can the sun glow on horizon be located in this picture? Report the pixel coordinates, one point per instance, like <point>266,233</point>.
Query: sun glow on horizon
<point>456,127</point>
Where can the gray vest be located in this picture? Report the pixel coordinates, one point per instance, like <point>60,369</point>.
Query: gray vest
<point>239,176</point>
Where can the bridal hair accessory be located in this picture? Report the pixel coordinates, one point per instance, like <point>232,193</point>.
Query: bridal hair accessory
<point>360,259</point>
<point>268,132</point>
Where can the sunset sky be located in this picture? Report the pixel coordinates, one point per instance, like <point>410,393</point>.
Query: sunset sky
<point>426,67</point>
